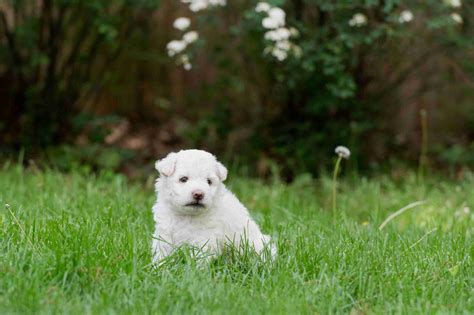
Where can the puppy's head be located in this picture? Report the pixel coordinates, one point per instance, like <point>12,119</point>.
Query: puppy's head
<point>190,180</point>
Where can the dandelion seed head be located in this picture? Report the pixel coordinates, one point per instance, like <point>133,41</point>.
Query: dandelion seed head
<point>343,151</point>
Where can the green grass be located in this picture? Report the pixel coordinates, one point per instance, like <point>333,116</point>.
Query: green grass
<point>79,243</point>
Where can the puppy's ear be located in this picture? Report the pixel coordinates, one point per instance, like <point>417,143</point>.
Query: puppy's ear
<point>167,165</point>
<point>221,171</point>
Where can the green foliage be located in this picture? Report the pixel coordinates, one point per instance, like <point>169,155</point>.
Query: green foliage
<point>54,55</point>
<point>80,243</point>
<point>93,156</point>
<point>338,86</point>
<point>457,156</point>
<point>301,108</point>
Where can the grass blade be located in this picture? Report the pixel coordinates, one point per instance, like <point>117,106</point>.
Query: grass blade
<point>397,213</point>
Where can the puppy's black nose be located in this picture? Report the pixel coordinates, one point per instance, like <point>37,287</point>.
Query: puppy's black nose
<point>198,195</point>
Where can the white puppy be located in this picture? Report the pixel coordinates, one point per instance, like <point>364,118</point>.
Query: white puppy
<point>195,208</point>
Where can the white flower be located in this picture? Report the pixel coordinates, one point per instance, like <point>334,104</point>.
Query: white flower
<point>262,7</point>
<point>198,5</point>
<point>190,37</point>
<point>184,60</point>
<point>270,23</point>
<point>405,17</point>
<point>275,19</point>
<point>272,35</point>
<point>283,33</point>
<point>217,2</point>
<point>175,47</point>
<point>279,54</point>
<point>297,51</point>
<point>453,3</point>
<point>358,20</point>
<point>457,18</point>
<point>294,32</point>
<point>343,152</point>
<point>283,45</point>
<point>278,34</point>
<point>181,23</point>
<point>278,15</point>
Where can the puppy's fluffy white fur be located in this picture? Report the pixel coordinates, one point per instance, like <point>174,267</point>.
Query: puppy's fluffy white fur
<point>194,207</point>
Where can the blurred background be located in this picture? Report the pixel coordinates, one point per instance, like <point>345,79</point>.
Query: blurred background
<point>273,86</point>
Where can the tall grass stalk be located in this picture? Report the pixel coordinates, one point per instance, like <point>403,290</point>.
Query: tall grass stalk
<point>423,160</point>
<point>397,213</point>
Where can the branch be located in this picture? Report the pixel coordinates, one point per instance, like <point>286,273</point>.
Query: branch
<point>54,40</point>
<point>109,60</point>
<point>79,39</point>
<point>15,54</point>
<point>41,44</point>
<point>404,74</point>
<point>84,74</point>
<point>460,71</point>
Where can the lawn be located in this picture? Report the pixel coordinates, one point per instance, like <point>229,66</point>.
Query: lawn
<point>79,243</point>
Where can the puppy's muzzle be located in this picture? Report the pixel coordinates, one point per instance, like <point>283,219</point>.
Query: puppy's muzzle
<point>198,195</point>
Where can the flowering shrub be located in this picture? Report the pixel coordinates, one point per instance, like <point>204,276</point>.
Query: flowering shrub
<point>200,5</point>
<point>177,47</point>
<point>277,35</point>
<point>281,78</point>
<point>314,58</point>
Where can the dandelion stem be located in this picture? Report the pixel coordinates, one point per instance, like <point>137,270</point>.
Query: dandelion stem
<point>334,183</point>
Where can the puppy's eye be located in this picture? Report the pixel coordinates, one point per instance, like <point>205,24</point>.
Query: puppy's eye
<point>183,179</point>
<point>209,182</point>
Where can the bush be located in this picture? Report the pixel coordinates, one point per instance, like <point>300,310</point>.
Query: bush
<point>331,84</point>
<point>281,88</point>
<point>55,54</point>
